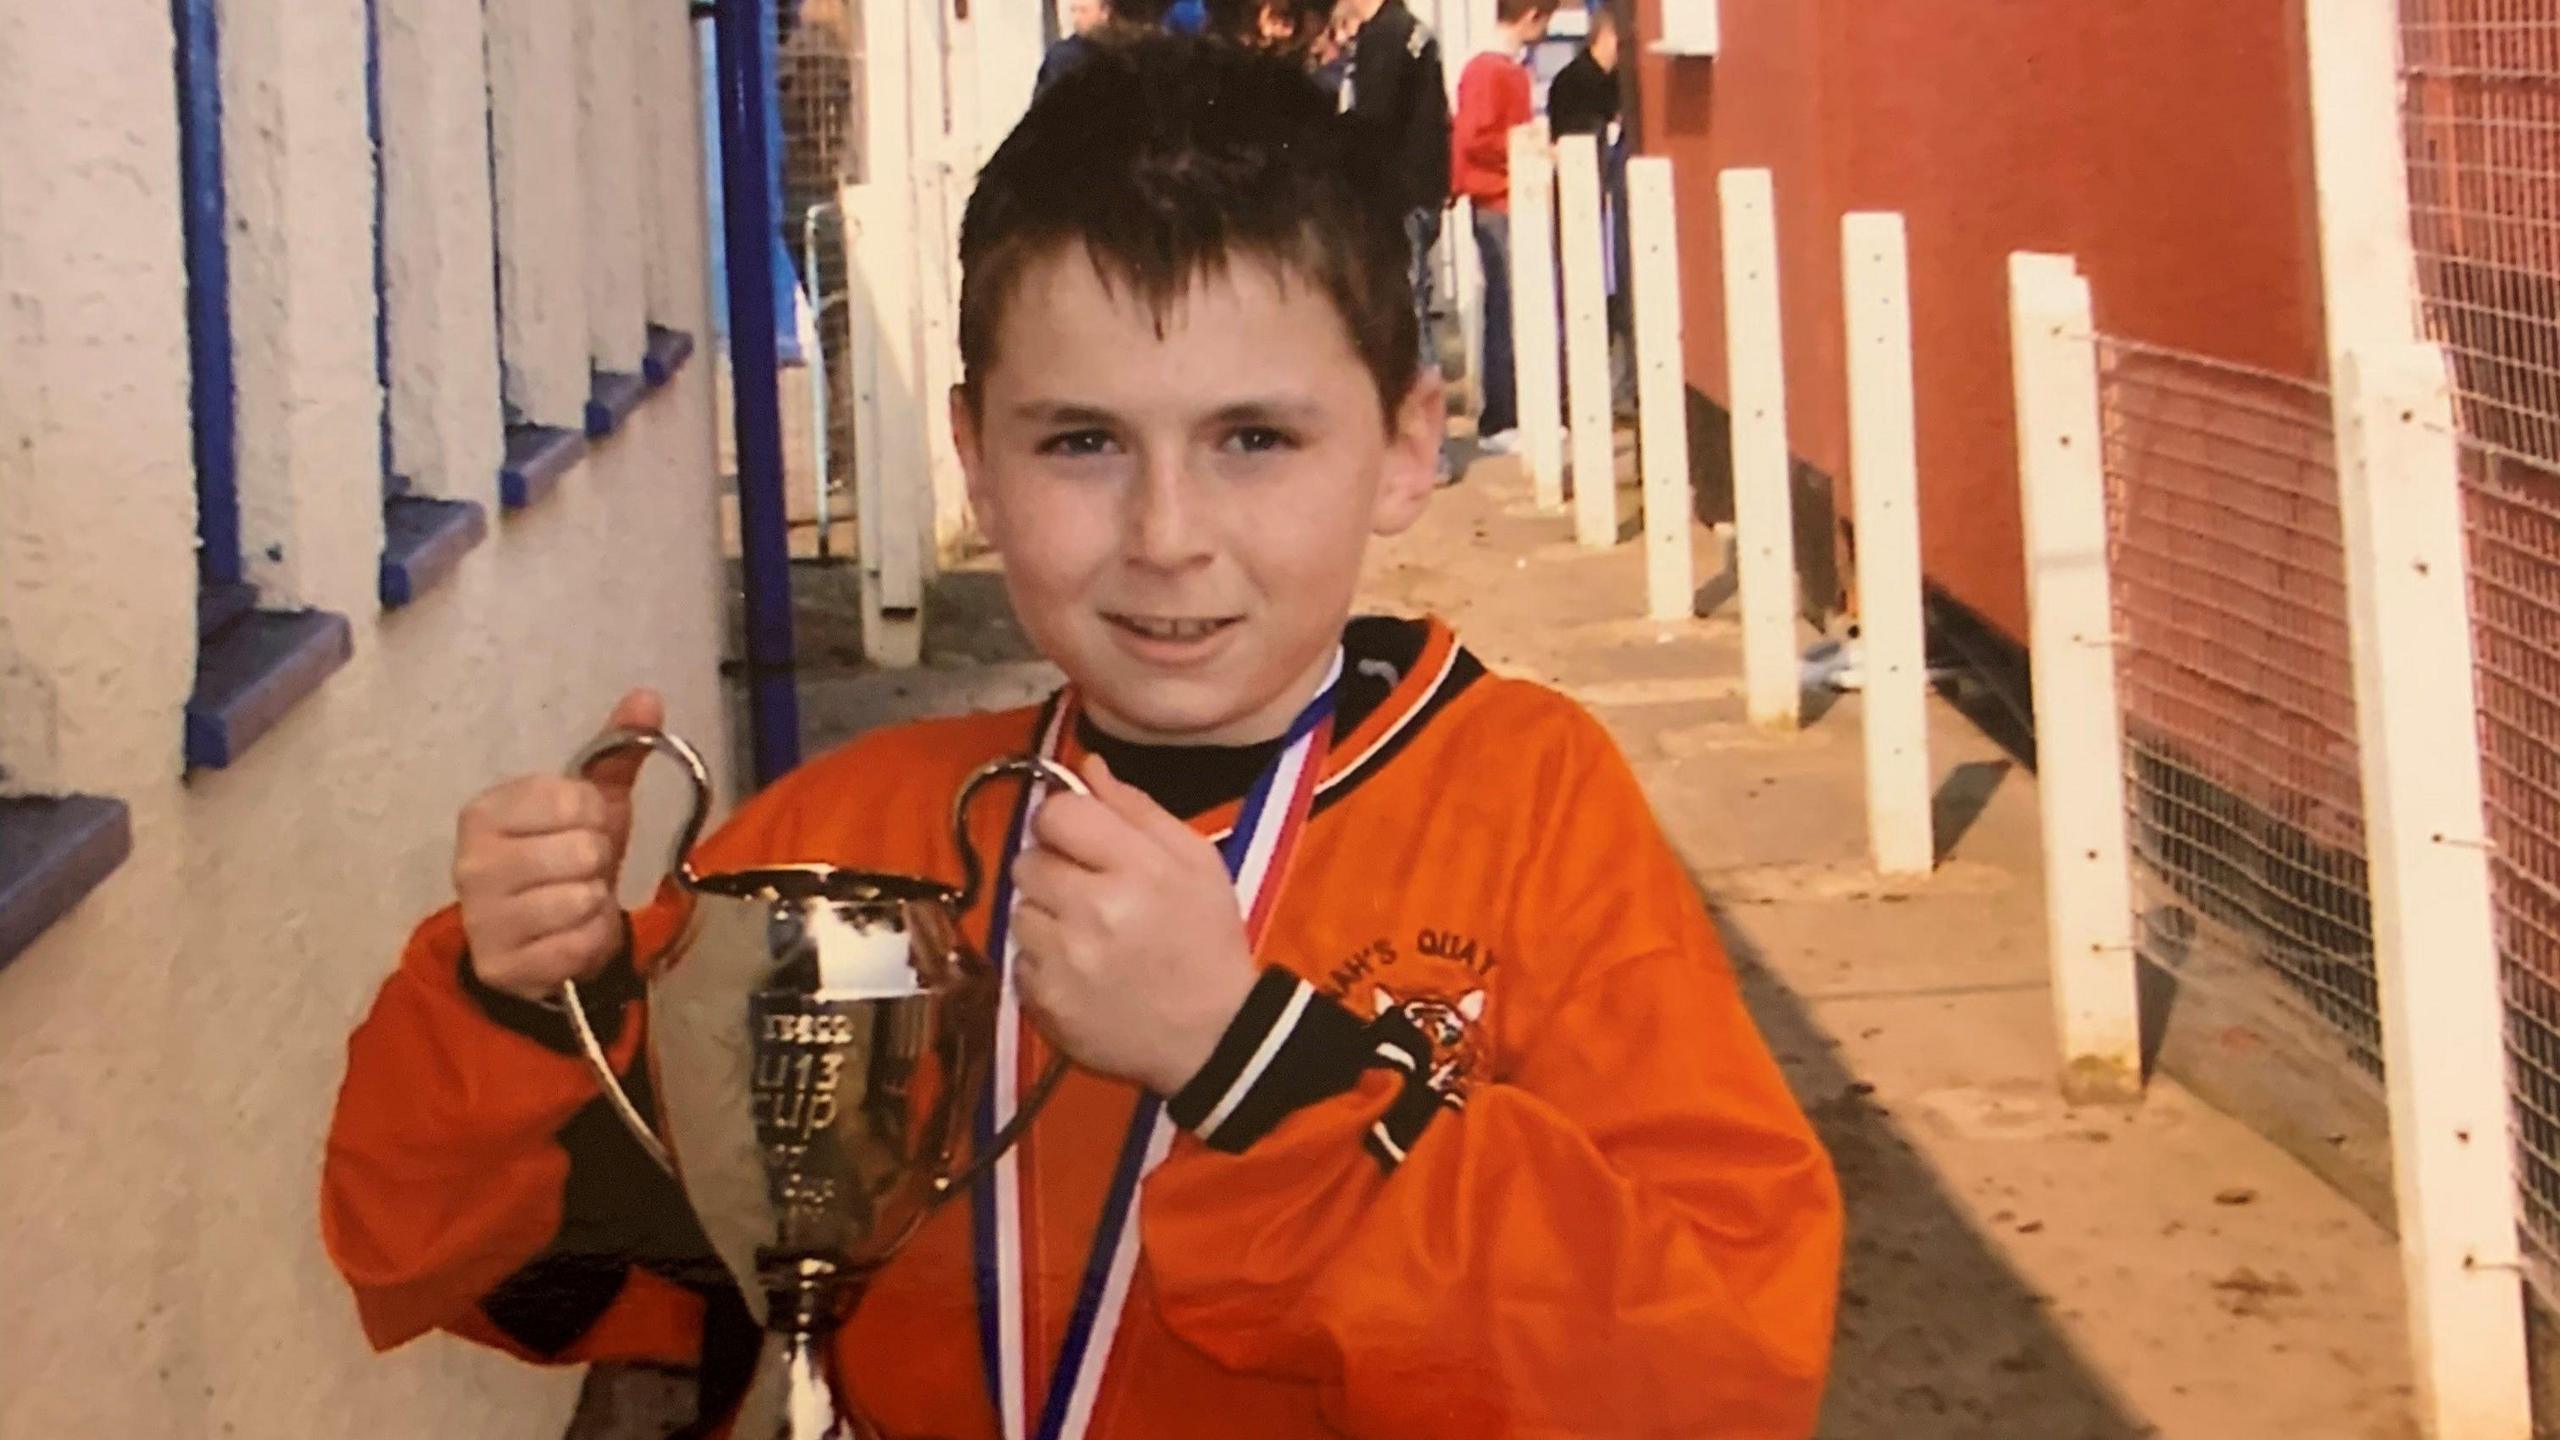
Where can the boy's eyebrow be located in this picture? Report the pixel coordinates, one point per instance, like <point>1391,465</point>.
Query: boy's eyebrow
<point>1263,408</point>
<point>1271,407</point>
<point>1061,412</point>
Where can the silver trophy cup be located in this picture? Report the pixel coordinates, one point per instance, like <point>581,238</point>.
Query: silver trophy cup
<point>819,1039</point>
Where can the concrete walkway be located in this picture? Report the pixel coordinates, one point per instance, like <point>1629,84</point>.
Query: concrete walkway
<point>2016,1268</point>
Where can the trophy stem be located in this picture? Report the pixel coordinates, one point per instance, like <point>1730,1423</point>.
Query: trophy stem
<point>807,1298</point>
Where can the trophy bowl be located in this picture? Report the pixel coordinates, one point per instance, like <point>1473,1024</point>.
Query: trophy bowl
<point>818,1038</point>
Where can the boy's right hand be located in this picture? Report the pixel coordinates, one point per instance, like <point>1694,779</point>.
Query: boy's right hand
<point>535,861</point>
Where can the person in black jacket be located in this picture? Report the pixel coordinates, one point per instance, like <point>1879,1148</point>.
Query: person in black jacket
<point>1584,99</point>
<point>1394,93</point>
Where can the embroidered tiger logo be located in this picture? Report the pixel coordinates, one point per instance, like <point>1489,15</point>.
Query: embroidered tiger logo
<point>1451,1028</point>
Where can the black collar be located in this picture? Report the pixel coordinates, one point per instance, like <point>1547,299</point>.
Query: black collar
<point>1190,780</point>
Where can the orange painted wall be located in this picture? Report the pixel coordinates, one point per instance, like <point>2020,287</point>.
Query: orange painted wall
<point>2164,143</point>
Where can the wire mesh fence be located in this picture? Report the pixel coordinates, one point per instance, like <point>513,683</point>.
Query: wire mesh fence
<point>818,52</point>
<point>2481,113</point>
<point>2512,513</point>
<point>2481,121</point>
<point>2241,780</point>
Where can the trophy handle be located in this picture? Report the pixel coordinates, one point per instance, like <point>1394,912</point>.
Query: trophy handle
<point>973,876</point>
<point>946,1186</point>
<point>615,741</point>
<point>679,865</point>
<point>973,872</point>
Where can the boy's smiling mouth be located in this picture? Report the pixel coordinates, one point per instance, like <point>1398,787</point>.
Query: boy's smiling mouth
<point>1175,641</point>
<point>1171,627</point>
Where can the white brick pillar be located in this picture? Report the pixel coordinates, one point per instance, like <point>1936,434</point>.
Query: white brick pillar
<point>298,163</point>
<point>439,291</point>
<point>610,179</point>
<point>542,288</point>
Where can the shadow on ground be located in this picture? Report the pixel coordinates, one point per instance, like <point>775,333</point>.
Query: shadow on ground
<point>1938,1336</point>
<point>1961,799</point>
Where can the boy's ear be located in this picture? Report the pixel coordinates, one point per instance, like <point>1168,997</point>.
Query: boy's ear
<point>1412,468</point>
<point>966,440</point>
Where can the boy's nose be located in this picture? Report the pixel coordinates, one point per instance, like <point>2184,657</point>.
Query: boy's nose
<point>1166,528</point>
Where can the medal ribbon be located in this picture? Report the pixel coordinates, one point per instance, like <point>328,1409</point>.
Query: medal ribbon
<point>1257,851</point>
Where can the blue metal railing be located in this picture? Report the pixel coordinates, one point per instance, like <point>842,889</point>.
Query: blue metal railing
<point>741,30</point>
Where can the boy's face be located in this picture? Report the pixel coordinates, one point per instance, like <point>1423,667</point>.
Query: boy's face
<point>1182,517</point>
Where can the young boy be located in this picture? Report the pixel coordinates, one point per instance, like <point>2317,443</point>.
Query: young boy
<point>1464,1132</point>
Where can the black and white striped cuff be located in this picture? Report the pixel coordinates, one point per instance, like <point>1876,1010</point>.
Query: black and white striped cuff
<point>607,998</point>
<point>1393,1134</point>
<point>1288,1048</point>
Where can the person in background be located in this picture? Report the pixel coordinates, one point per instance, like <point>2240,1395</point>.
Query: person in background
<point>1493,96</point>
<point>1332,56</point>
<point>1292,29</point>
<point>1585,99</point>
<point>1397,97</point>
<point>1084,17</point>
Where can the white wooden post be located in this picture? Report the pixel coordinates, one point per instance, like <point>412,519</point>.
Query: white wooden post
<point>1008,53</point>
<point>962,25</point>
<point>1458,28</point>
<point>1662,400</point>
<point>940,191</point>
<point>1764,510</point>
<point>1884,475</point>
<point>1468,296</point>
<point>888,521</point>
<point>609,182</point>
<point>893,454</point>
<point>2079,729</point>
<point>541,217</point>
<point>2435,942</point>
<point>441,299</point>
<point>2369,273</point>
<point>2434,930</point>
<point>1586,343</point>
<point>1535,346</point>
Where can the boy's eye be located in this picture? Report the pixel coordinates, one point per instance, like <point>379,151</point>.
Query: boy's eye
<point>1259,439</point>
<point>1074,443</point>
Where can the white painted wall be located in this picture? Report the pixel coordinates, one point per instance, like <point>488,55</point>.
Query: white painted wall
<point>169,1053</point>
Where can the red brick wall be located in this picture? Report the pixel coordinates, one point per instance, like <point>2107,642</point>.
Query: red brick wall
<point>2166,144</point>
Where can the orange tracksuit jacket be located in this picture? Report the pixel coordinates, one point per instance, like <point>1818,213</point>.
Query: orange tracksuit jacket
<point>1616,1222</point>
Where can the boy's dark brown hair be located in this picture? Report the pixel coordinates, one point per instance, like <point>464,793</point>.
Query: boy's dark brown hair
<point>1506,11</point>
<point>1169,157</point>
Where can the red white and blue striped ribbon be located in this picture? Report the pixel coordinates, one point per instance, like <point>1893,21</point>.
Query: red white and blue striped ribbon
<point>1257,851</point>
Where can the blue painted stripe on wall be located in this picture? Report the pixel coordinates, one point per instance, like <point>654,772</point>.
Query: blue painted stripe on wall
<point>509,415</point>
<point>381,263</point>
<point>213,400</point>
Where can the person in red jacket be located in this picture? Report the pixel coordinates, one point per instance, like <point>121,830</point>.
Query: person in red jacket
<point>1494,96</point>
<point>1412,1095</point>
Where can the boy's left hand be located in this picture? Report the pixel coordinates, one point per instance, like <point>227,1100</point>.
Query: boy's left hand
<point>1133,955</point>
